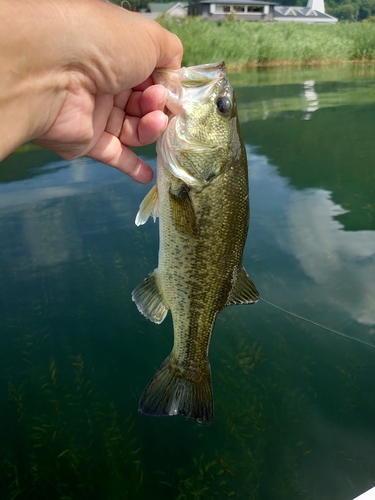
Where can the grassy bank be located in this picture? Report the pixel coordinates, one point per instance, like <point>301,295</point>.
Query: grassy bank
<point>253,43</point>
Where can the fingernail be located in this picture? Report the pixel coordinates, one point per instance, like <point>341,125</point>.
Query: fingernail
<point>166,122</point>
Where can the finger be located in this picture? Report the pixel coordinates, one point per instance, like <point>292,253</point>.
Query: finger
<point>110,151</point>
<point>115,121</point>
<point>117,115</point>
<point>144,131</point>
<point>151,99</point>
<point>97,123</point>
<point>144,85</point>
<point>122,98</point>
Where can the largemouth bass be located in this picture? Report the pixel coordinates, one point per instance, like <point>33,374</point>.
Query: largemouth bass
<point>202,200</point>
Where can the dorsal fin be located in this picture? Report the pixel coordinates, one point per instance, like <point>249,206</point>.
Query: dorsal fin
<point>244,292</point>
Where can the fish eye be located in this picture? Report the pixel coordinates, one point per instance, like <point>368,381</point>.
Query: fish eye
<point>223,105</point>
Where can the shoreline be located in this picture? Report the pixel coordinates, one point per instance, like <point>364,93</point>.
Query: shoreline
<point>244,44</point>
<point>236,67</point>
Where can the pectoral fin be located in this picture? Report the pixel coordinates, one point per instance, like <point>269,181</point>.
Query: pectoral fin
<point>183,214</point>
<point>149,300</point>
<point>244,292</point>
<point>149,206</point>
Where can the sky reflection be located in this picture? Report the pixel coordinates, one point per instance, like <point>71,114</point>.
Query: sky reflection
<point>294,403</point>
<point>301,223</point>
<point>341,264</point>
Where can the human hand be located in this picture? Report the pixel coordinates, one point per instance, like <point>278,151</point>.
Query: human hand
<point>88,91</point>
<point>133,117</point>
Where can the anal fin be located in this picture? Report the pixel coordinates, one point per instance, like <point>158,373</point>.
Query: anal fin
<point>149,300</point>
<point>244,292</point>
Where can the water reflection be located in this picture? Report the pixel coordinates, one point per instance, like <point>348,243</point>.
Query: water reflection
<point>320,90</point>
<point>52,239</point>
<point>341,263</point>
<point>331,256</point>
<point>311,97</point>
<point>293,403</point>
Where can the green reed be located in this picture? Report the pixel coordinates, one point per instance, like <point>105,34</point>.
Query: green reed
<point>244,43</point>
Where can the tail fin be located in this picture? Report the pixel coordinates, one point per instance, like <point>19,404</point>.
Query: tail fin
<point>169,393</point>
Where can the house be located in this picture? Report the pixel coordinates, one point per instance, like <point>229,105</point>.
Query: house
<point>247,10</point>
<point>314,12</point>
<point>253,10</point>
<point>174,9</point>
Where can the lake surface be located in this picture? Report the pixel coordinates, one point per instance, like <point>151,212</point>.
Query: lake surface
<point>294,403</point>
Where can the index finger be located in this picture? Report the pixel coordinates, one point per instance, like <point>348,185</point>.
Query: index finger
<point>144,85</point>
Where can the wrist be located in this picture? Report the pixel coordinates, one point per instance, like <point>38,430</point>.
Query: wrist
<point>31,87</point>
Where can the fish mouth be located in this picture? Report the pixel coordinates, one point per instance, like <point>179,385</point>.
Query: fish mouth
<point>199,74</point>
<point>197,77</point>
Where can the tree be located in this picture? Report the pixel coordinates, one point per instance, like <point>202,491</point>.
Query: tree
<point>344,11</point>
<point>366,9</point>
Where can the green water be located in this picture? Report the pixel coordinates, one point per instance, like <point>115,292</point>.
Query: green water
<point>294,404</point>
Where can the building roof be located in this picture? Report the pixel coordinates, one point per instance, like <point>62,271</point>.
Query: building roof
<point>155,9</point>
<point>164,7</point>
<point>237,2</point>
<point>301,14</point>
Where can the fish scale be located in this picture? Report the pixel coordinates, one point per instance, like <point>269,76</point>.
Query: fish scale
<point>201,199</point>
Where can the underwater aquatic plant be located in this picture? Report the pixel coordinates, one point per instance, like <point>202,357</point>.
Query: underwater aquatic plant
<point>65,442</point>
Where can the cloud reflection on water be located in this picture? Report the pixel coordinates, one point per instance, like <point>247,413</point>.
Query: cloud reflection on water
<point>300,223</point>
<point>331,256</point>
<point>342,263</point>
<point>53,213</point>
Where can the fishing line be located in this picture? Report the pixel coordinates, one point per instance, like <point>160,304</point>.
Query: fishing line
<point>345,335</point>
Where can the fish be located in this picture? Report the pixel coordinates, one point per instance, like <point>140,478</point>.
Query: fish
<point>201,198</point>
